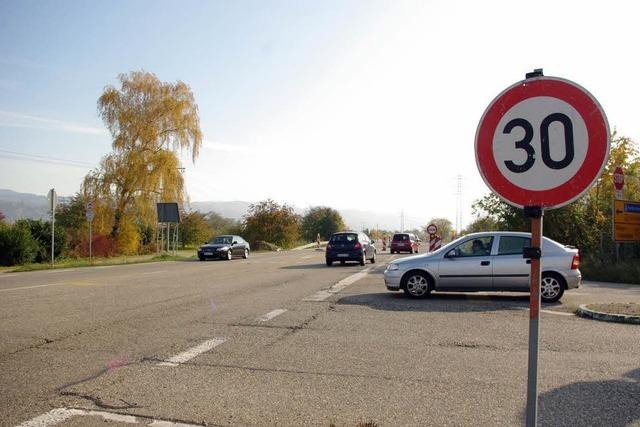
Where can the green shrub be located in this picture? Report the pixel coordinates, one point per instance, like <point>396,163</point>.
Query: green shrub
<point>622,272</point>
<point>17,245</point>
<point>41,232</point>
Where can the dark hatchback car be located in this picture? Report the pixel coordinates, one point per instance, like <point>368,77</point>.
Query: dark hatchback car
<point>405,242</point>
<point>224,247</point>
<point>350,246</point>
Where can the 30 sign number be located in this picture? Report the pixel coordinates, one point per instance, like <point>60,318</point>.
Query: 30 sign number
<point>525,143</point>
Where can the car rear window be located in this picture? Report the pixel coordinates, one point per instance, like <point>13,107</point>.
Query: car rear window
<point>344,238</point>
<point>400,237</point>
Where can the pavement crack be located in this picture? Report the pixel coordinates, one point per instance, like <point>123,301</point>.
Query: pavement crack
<point>99,402</point>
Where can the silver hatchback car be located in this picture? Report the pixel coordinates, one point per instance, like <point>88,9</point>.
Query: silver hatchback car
<point>490,261</point>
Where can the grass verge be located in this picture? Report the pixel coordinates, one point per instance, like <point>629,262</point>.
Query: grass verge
<point>185,255</point>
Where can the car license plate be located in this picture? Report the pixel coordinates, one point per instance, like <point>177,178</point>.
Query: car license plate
<point>343,255</point>
<point>208,253</point>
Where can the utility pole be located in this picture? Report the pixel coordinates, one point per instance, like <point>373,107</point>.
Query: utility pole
<point>458,194</point>
<point>402,221</point>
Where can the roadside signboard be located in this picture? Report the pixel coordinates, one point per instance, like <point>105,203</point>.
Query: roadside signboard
<point>52,198</point>
<point>626,221</point>
<point>541,144</point>
<point>618,182</point>
<point>432,229</point>
<point>89,211</point>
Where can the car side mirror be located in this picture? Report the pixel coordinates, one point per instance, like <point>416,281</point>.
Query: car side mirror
<point>451,254</point>
<point>234,243</point>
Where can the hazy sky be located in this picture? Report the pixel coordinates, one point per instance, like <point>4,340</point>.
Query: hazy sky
<point>352,104</point>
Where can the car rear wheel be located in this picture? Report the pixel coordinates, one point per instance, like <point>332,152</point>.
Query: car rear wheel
<point>329,263</point>
<point>373,259</point>
<point>551,287</point>
<point>416,285</point>
<point>201,258</point>
<point>246,254</point>
<point>364,258</point>
<point>229,255</point>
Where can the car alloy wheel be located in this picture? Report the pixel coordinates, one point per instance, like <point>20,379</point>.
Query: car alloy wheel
<point>364,258</point>
<point>551,288</point>
<point>246,254</point>
<point>229,255</point>
<point>417,285</point>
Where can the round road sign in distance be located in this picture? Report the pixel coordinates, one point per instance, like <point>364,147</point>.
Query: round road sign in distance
<point>432,229</point>
<point>542,142</point>
<point>618,178</point>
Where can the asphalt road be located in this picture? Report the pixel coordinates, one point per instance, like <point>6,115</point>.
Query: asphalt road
<point>282,339</point>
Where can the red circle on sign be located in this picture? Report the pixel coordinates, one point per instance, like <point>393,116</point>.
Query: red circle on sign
<point>597,151</point>
<point>618,178</point>
<point>432,229</point>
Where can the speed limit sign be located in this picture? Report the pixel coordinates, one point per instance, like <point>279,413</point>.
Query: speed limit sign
<point>542,142</point>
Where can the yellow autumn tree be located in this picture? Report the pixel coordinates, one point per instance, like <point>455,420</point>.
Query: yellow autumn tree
<point>150,121</point>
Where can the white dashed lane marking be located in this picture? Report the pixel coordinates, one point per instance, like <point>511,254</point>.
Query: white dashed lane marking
<point>32,287</point>
<point>270,315</point>
<point>192,352</point>
<point>326,293</point>
<point>59,415</point>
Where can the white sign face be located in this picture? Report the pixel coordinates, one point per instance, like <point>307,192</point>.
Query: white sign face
<point>520,153</point>
<point>52,198</point>
<point>89,211</point>
<point>432,229</point>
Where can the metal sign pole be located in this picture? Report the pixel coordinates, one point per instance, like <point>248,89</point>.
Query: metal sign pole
<point>53,231</point>
<point>534,253</point>
<point>90,223</point>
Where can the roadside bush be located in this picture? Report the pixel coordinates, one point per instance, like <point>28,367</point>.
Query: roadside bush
<point>41,232</point>
<point>272,222</point>
<point>622,272</point>
<point>17,245</point>
<point>102,246</point>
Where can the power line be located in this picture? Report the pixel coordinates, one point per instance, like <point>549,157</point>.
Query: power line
<point>15,155</point>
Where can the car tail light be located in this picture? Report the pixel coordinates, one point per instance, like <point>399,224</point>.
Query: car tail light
<point>575,263</point>
<point>358,245</point>
<point>328,247</point>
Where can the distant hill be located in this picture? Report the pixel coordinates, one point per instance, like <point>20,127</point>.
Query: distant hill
<point>234,210</point>
<point>16,205</point>
<point>354,219</point>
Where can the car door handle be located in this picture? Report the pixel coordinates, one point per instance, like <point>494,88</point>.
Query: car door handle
<point>485,263</point>
<point>528,261</point>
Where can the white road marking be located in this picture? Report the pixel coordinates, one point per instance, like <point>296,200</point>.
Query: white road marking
<point>154,272</point>
<point>32,287</point>
<point>307,257</point>
<point>559,313</point>
<point>326,293</point>
<point>62,270</point>
<point>270,315</point>
<point>58,415</point>
<point>192,352</point>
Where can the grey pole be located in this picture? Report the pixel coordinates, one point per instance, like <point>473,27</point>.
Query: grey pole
<point>90,223</point>
<point>53,231</point>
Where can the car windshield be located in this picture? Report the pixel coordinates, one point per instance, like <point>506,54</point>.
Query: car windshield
<point>222,240</point>
<point>344,238</point>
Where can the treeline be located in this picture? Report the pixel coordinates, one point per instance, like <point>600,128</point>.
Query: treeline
<point>266,223</point>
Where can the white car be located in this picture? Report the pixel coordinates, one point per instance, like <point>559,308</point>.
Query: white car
<point>490,261</point>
